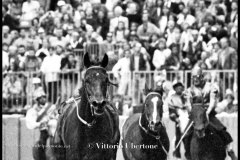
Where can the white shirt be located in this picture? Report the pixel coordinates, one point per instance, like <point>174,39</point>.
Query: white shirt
<point>123,65</point>
<point>51,66</point>
<point>5,61</point>
<point>189,19</point>
<point>30,10</point>
<point>159,57</point>
<point>114,22</point>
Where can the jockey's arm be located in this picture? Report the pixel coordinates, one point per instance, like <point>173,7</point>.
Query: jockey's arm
<point>188,100</point>
<point>213,98</point>
<point>31,118</point>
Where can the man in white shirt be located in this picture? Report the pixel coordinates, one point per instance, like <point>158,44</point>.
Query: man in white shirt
<point>41,116</point>
<point>121,70</point>
<point>50,68</point>
<point>30,10</point>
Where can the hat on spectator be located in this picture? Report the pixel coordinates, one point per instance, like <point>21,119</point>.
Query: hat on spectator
<point>36,80</point>
<point>109,34</point>
<point>40,30</point>
<point>195,32</point>
<point>229,92</point>
<point>39,93</point>
<point>177,84</point>
<point>61,3</point>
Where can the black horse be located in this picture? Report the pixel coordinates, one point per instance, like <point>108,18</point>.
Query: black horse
<point>206,143</point>
<point>144,136</point>
<point>87,127</point>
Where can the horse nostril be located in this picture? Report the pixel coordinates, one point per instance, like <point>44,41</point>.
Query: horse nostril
<point>94,103</point>
<point>104,103</point>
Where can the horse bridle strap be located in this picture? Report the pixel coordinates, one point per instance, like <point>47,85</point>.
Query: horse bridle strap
<point>151,93</point>
<point>156,137</point>
<point>82,120</point>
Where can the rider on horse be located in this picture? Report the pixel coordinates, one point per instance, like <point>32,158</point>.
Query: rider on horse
<point>175,103</point>
<point>42,116</point>
<point>205,94</point>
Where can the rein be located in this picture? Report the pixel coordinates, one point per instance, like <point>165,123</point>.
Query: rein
<point>156,137</point>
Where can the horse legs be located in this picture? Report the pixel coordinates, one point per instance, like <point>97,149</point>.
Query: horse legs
<point>58,147</point>
<point>177,153</point>
<point>40,146</point>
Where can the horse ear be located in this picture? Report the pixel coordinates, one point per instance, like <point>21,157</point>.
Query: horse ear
<point>86,60</point>
<point>146,90</point>
<point>104,62</point>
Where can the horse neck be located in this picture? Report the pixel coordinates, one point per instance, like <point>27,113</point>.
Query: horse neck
<point>84,108</point>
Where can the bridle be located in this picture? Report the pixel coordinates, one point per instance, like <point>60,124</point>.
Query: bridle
<point>157,137</point>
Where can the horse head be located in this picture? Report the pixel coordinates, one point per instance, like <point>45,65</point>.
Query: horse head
<point>200,121</point>
<point>153,109</point>
<point>95,84</point>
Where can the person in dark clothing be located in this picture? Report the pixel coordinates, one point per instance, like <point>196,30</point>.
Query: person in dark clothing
<point>221,31</point>
<point>102,24</point>
<point>9,20</point>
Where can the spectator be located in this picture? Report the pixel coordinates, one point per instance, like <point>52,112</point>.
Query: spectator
<point>31,63</point>
<point>47,22</point>
<point>9,20</point>
<point>21,55</point>
<point>202,63</point>
<point>121,71</point>
<point>13,57</point>
<point>89,18</point>
<point>140,59</point>
<point>146,29</point>
<point>121,33</point>
<point>213,59</point>
<point>58,38</point>
<point>66,22</point>
<point>5,57</point>
<point>50,68</point>
<point>154,40</point>
<point>163,20</point>
<point>185,17</point>
<point>6,38</point>
<point>102,24</point>
<point>172,62</point>
<point>228,56</point>
<point>43,51</point>
<point>35,24</point>
<point>30,10</point>
<point>133,13</point>
<point>13,94</point>
<point>227,105</point>
<point>160,55</point>
<point>23,37</point>
<point>232,16</point>
<point>221,30</point>
<point>156,12</point>
<point>108,44</point>
<point>118,17</point>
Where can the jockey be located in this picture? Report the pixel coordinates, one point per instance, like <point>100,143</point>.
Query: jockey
<point>206,93</point>
<point>43,116</point>
<point>176,103</point>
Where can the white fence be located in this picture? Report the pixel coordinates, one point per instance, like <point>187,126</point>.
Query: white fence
<point>18,88</point>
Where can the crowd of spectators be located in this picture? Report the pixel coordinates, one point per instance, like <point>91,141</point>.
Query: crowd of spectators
<point>148,34</point>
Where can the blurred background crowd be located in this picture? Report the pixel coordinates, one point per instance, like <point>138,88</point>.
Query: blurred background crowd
<point>44,37</point>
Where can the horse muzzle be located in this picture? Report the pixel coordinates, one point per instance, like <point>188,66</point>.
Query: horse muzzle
<point>154,126</point>
<point>200,133</point>
<point>98,107</point>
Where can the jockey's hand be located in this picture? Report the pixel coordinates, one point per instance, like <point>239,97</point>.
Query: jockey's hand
<point>44,124</point>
